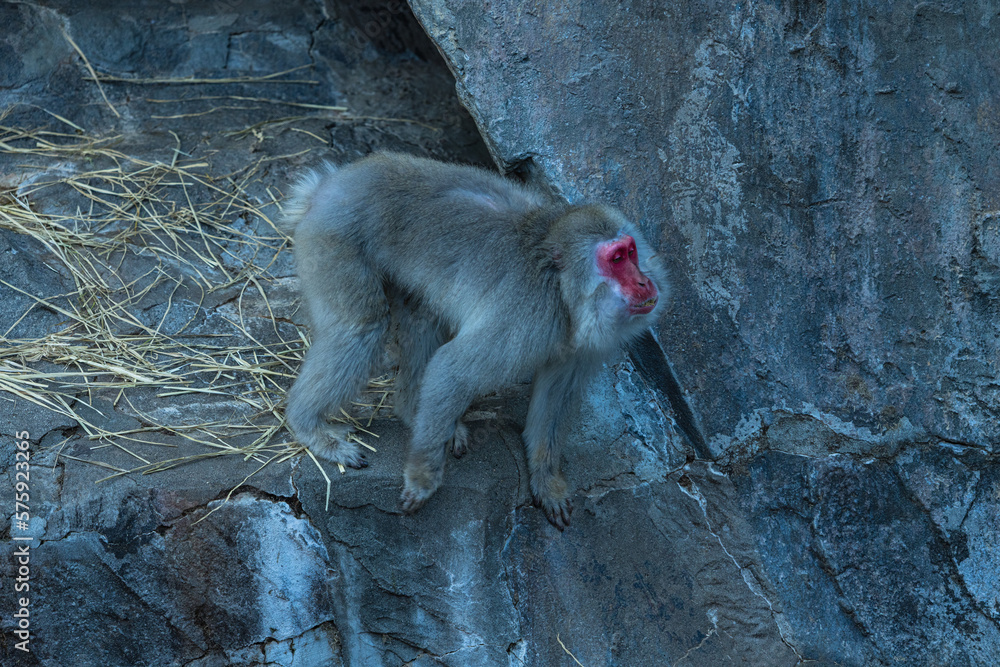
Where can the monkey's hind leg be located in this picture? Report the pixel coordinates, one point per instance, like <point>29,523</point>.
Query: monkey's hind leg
<point>349,319</point>
<point>451,380</point>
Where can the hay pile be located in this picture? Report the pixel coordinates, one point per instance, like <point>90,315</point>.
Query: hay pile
<point>151,244</point>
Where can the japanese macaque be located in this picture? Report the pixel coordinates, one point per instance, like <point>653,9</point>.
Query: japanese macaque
<point>499,282</point>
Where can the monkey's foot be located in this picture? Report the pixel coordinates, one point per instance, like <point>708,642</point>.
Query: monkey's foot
<point>460,441</point>
<point>557,511</point>
<point>354,459</point>
<point>332,445</point>
<point>419,484</point>
<point>413,499</point>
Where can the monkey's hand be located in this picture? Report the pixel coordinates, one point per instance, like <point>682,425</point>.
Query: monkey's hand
<point>548,491</point>
<point>557,510</point>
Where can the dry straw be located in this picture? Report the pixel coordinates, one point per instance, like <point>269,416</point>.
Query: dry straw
<point>180,219</point>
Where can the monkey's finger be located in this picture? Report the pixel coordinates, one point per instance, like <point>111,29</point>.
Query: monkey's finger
<point>559,514</point>
<point>565,511</point>
<point>556,519</point>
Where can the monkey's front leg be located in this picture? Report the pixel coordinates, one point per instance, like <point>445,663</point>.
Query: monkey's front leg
<point>555,396</point>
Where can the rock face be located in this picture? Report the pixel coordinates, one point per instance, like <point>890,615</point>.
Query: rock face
<point>801,469</point>
<point>824,181</point>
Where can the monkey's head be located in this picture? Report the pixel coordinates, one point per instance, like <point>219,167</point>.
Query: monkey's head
<point>618,262</point>
<point>610,275</point>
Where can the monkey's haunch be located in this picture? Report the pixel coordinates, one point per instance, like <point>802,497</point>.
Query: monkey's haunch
<point>490,282</point>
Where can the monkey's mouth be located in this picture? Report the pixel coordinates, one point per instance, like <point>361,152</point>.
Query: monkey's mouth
<point>645,307</point>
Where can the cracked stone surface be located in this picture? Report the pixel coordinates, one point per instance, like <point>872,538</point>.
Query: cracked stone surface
<point>823,180</point>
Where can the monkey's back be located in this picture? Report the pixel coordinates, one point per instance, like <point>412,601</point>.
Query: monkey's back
<point>458,237</point>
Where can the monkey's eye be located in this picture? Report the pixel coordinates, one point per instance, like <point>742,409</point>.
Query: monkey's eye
<point>617,259</point>
<point>631,252</point>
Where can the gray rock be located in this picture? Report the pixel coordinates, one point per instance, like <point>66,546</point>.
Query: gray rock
<point>823,181</point>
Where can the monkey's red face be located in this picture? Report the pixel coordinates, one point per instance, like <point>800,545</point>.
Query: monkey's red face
<point>618,260</point>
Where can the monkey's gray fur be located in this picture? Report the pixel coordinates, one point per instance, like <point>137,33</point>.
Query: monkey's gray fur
<point>491,281</point>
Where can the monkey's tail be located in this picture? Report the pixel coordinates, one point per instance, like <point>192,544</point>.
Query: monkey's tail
<point>298,203</point>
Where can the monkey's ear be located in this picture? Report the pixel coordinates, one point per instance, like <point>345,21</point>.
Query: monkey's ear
<point>556,257</point>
